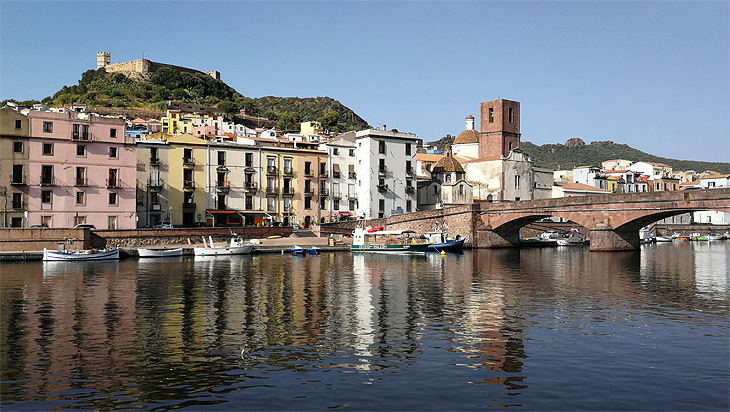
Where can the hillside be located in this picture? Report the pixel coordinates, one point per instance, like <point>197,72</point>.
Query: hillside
<point>576,153</point>
<point>97,88</point>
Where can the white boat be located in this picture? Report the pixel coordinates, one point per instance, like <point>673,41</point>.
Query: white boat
<point>81,255</point>
<point>549,235</point>
<point>144,252</point>
<point>714,236</point>
<point>663,238</point>
<point>574,239</point>
<point>235,246</point>
<point>645,236</point>
<point>376,240</point>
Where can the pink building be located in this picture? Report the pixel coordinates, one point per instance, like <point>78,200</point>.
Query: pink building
<point>81,170</point>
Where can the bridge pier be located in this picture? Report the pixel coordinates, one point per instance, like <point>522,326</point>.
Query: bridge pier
<point>606,239</point>
<point>487,238</point>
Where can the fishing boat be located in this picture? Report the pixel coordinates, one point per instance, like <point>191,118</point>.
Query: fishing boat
<point>81,255</point>
<point>313,250</point>
<point>645,236</point>
<point>663,238</point>
<point>388,241</point>
<point>574,238</point>
<point>163,252</point>
<point>441,242</point>
<point>234,246</point>
<point>714,236</point>
<point>297,250</point>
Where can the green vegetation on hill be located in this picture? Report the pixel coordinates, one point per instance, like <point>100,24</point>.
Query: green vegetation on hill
<point>97,88</point>
<point>576,153</point>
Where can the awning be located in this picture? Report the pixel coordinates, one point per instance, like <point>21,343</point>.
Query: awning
<point>351,168</point>
<point>335,168</point>
<point>345,213</point>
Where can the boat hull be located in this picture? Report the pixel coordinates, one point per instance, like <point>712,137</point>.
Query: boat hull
<point>380,248</point>
<point>223,251</point>
<point>450,246</point>
<point>143,252</point>
<point>53,256</point>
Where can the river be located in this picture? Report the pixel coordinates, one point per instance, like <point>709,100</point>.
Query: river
<point>533,329</point>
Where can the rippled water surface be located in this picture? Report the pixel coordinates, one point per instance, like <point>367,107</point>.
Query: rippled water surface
<point>534,329</point>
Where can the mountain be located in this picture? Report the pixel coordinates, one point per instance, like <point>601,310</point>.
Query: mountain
<point>576,153</point>
<point>97,88</point>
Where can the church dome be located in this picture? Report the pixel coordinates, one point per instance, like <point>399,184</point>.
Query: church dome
<point>467,136</point>
<point>447,164</point>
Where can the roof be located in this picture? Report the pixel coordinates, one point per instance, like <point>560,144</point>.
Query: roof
<point>581,186</point>
<point>428,157</point>
<point>657,164</point>
<point>448,164</point>
<point>715,177</point>
<point>695,183</point>
<point>470,117</point>
<point>484,159</point>
<point>467,136</point>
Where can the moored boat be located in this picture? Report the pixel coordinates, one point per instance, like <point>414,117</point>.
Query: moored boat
<point>441,242</point>
<point>574,238</point>
<point>663,238</point>
<point>388,241</point>
<point>714,236</point>
<point>313,250</point>
<point>164,252</point>
<point>297,250</point>
<point>234,246</point>
<point>81,255</point>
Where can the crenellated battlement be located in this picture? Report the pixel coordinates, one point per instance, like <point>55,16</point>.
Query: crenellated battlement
<point>142,67</point>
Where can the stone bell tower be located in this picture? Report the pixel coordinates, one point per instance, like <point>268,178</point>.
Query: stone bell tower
<point>500,128</point>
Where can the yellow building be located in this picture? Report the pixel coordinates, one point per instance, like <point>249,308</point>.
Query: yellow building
<point>311,128</point>
<point>187,159</point>
<point>175,123</point>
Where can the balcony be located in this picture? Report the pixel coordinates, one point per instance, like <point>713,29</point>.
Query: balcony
<point>323,174</point>
<point>409,171</point>
<point>81,181</point>
<point>336,174</point>
<point>249,206</point>
<point>251,186</point>
<point>323,191</point>
<point>336,196</point>
<point>154,161</point>
<point>48,181</point>
<point>382,171</point>
<point>309,191</point>
<point>249,169</point>
<point>17,180</point>
<point>288,191</point>
<point>308,172</point>
<point>113,184</point>
<point>223,187</point>
<point>188,206</point>
<point>188,161</point>
<point>352,175</point>
<point>271,170</point>
<point>382,188</point>
<point>154,185</point>
<point>189,184</point>
<point>352,196</point>
<point>272,190</point>
<point>410,189</point>
<point>288,171</point>
<point>84,136</point>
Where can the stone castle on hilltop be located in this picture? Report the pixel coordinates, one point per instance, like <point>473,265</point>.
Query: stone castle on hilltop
<point>142,68</point>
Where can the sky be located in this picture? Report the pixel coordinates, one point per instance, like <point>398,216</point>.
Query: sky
<point>653,75</point>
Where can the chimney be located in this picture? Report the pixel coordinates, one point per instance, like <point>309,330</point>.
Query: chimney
<point>384,128</point>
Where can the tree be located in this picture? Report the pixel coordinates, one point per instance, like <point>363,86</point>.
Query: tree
<point>329,120</point>
<point>286,119</point>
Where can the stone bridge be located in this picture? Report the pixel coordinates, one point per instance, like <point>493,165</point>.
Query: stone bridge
<point>613,221</point>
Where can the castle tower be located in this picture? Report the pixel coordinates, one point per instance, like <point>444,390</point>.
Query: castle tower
<point>500,128</point>
<point>103,59</point>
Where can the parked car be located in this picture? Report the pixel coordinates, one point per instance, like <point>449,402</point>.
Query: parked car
<point>162,226</point>
<point>39,226</point>
<point>85,226</point>
<point>200,224</point>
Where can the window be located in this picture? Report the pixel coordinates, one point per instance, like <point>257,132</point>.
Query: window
<point>17,200</point>
<point>408,149</point>
<point>79,220</point>
<point>46,221</point>
<point>17,147</point>
<point>112,133</point>
<point>491,115</point>
<point>249,202</point>
<point>517,182</point>
<point>113,152</point>
<point>308,202</point>
<point>17,176</point>
<point>80,150</point>
<point>46,196</point>
<point>381,147</point>
<point>335,151</point>
<point>336,205</point>
<point>47,149</point>
<point>270,204</point>
<point>323,169</point>
<point>80,198</point>
<point>352,152</point>
<point>187,155</point>
<point>113,181</point>
<point>409,206</point>
<point>46,175</point>
<point>112,198</point>
<point>80,176</point>
<point>221,158</point>
<point>462,192</point>
<point>249,159</point>
<point>511,115</point>
<point>381,205</point>
<point>47,127</point>
<point>154,197</point>
<point>18,124</point>
<point>112,219</point>
<point>323,203</point>
<point>307,168</point>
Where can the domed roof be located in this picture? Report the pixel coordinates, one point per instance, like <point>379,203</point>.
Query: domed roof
<point>467,136</point>
<point>447,164</point>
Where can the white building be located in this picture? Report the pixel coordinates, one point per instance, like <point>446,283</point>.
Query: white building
<point>715,181</point>
<point>343,198</point>
<point>591,176</point>
<point>385,167</point>
<point>617,164</point>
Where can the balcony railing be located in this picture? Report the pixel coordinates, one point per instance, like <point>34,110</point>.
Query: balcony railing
<point>382,170</point>
<point>251,186</point>
<point>223,186</point>
<point>188,161</point>
<point>271,170</point>
<point>188,206</point>
<point>323,173</point>
<point>48,181</point>
<point>352,196</point>
<point>86,136</point>
<point>16,180</point>
<point>249,206</point>
<point>308,172</point>
<point>336,174</point>
<point>352,175</point>
<point>189,184</point>
<point>113,184</point>
<point>323,191</point>
<point>382,188</point>
<point>336,195</point>
<point>409,171</point>
<point>154,161</point>
<point>410,189</point>
<point>81,181</point>
<point>19,205</point>
<point>288,171</point>
<point>288,191</point>
<point>272,190</point>
<point>309,191</point>
<point>154,185</point>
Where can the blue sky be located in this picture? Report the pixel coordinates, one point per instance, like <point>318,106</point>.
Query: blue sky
<point>653,75</point>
